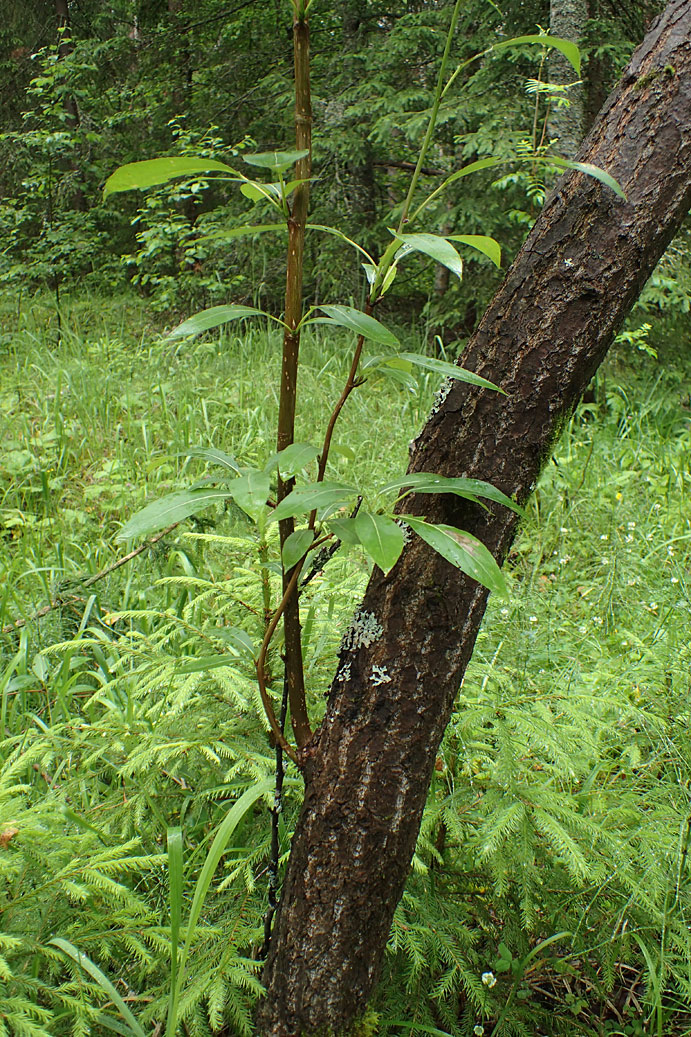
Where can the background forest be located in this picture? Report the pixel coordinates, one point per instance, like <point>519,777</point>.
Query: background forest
<point>550,889</point>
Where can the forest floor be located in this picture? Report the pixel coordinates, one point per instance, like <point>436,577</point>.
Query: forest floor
<point>562,798</point>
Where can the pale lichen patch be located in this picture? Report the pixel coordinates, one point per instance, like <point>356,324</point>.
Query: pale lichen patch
<point>363,631</point>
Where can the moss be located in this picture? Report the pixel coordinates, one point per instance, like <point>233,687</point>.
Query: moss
<point>655,73</point>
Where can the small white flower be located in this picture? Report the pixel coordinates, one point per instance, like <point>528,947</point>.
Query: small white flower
<point>582,630</point>
<point>604,536</point>
<point>605,561</point>
<point>670,551</point>
<point>674,579</point>
<point>597,621</point>
<point>650,536</point>
<point>489,979</point>
<point>563,529</point>
<point>630,525</point>
<point>656,507</point>
<point>532,619</point>
<point>504,612</point>
<point>653,606</point>
<point>478,1030</point>
<point>629,538</point>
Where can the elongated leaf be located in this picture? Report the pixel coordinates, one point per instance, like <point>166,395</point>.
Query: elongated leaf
<point>238,639</point>
<point>276,160</point>
<point>395,367</point>
<point>156,171</point>
<point>202,663</point>
<point>216,851</point>
<point>344,528</point>
<point>296,547</point>
<point>292,459</point>
<point>219,236</point>
<point>472,167</point>
<point>175,883</point>
<point>442,367</point>
<point>255,191</point>
<point>381,537</point>
<point>437,248</point>
<point>568,49</point>
<point>306,498</point>
<point>589,170</point>
<point>357,321</point>
<point>251,490</point>
<point>212,318</point>
<point>105,984</point>
<point>344,237</point>
<point>213,456</point>
<point>428,482</point>
<point>114,1025</point>
<point>488,246</point>
<point>173,508</point>
<point>464,551</point>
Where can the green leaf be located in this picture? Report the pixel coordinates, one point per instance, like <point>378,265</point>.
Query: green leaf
<point>201,663</point>
<point>344,237</point>
<point>488,246</point>
<point>159,171</point>
<point>357,321</point>
<point>319,496</point>
<point>212,318</point>
<point>173,508</point>
<point>219,236</point>
<point>105,984</point>
<point>292,459</point>
<point>472,167</point>
<point>216,851</point>
<point>589,170</point>
<point>436,247</point>
<point>275,160</point>
<point>296,547</point>
<point>344,528</point>
<point>392,366</point>
<point>442,367</point>
<point>213,456</point>
<point>381,537</point>
<point>255,191</point>
<point>568,49</point>
<point>471,489</point>
<point>238,639</point>
<point>464,551</point>
<point>251,490</point>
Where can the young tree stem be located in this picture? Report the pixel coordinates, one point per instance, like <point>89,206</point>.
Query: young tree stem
<point>289,370</point>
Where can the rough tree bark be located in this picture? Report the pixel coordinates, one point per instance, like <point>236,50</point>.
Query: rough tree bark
<point>368,768</point>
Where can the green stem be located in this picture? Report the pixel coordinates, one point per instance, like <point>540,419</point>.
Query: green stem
<point>438,93</point>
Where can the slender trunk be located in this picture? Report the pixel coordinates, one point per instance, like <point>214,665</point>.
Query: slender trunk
<point>65,48</point>
<point>289,370</point>
<point>567,20</point>
<point>367,770</point>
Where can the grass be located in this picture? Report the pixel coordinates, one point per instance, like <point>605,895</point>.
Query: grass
<point>560,803</point>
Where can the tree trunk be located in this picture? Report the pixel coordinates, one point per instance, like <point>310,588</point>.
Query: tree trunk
<point>368,768</point>
<point>65,48</point>
<point>567,20</point>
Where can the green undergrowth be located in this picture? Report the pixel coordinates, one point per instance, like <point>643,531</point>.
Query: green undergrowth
<point>550,891</point>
